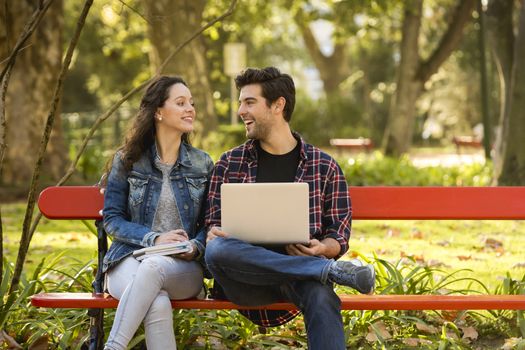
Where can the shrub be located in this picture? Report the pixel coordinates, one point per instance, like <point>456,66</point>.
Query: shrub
<point>376,170</point>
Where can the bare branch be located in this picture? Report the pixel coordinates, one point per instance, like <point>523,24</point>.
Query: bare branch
<point>28,30</point>
<point>4,81</point>
<point>21,49</point>
<point>449,41</point>
<point>26,234</point>
<point>134,10</point>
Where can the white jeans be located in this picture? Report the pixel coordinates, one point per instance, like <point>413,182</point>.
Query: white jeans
<point>144,289</point>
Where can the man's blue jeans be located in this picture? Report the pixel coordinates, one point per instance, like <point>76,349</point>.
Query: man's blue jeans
<point>252,276</point>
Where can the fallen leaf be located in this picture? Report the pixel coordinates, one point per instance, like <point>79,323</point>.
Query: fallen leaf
<point>450,315</point>
<point>427,328</point>
<point>353,254</point>
<point>411,341</point>
<point>416,234</point>
<point>6,339</point>
<point>464,257</point>
<point>511,343</point>
<point>469,332</point>
<point>452,335</point>
<point>493,243</point>
<point>371,337</point>
<point>444,243</point>
<point>379,329</point>
<point>392,233</point>
<point>41,343</point>
<point>436,263</point>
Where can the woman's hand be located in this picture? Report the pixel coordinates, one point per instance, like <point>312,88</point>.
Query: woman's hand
<point>172,236</point>
<point>178,235</point>
<point>189,255</point>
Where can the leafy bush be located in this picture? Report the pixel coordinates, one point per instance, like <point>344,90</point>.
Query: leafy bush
<point>378,170</point>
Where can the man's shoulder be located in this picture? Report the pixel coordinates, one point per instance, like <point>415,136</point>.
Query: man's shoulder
<point>314,153</point>
<point>235,154</point>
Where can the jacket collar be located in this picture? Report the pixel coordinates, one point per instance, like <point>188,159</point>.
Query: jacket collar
<point>184,158</point>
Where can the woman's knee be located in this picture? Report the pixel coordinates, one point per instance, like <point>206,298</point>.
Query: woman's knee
<point>151,269</point>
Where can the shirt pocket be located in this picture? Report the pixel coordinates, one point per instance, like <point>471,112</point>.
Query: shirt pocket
<point>137,190</point>
<point>196,187</point>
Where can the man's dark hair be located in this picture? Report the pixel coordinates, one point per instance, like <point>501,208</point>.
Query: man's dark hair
<point>274,84</point>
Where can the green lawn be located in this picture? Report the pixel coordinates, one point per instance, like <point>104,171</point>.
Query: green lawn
<point>491,249</point>
<point>450,245</point>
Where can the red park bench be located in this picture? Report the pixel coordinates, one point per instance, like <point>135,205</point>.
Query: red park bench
<point>466,141</point>
<point>359,144</point>
<point>369,203</point>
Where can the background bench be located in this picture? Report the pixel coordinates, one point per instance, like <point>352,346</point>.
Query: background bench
<point>359,144</point>
<point>370,203</point>
<point>466,141</point>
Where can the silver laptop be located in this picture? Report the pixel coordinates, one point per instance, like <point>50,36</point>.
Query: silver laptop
<point>266,213</point>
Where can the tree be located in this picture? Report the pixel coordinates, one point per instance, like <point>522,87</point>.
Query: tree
<point>29,94</point>
<point>413,71</point>
<point>508,50</point>
<point>170,22</point>
<point>334,68</point>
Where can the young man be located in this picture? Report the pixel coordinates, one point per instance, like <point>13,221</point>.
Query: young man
<point>252,275</point>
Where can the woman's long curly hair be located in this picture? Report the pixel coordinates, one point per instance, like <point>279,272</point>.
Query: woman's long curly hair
<point>142,134</point>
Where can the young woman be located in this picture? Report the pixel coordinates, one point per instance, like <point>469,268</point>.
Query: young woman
<point>155,195</point>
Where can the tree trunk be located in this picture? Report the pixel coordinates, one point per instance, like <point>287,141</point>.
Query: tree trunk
<point>501,39</point>
<point>333,69</point>
<point>170,23</point>
<point>513,167</point>
<point>398,133</point>
<point>413,73</point>
<point>30,92</point>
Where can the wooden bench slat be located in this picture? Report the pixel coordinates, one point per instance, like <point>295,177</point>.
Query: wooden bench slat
<point>371,203</point>
<point>349,302</point>
<point>71,202</point>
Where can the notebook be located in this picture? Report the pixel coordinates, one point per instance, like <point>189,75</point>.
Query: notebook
<point>163,249</point>
<point>266,213</point>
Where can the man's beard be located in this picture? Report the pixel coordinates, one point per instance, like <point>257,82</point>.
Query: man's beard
<point>258,131</point>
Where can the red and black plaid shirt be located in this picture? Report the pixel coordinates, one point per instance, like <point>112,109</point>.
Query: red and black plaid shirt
<point>330,206</point>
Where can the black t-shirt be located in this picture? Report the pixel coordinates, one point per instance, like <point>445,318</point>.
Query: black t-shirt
<point>277,168</point>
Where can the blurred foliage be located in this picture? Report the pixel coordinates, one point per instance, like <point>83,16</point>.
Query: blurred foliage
<point>112,57</point>
<point>380,170</point>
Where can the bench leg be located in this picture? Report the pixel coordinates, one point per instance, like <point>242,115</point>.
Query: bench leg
<point>96,329</point>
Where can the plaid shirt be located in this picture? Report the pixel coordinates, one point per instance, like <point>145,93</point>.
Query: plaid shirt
<point>330,206</point>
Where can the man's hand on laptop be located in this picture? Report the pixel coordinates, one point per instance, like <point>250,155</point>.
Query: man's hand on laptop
<point>215,232</point>
<point>328,248</point>
<point>314,248</point>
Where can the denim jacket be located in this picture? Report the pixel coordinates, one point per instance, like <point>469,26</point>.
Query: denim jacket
<point>131,198</point>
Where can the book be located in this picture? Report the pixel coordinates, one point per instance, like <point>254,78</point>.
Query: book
<point>163,249</point>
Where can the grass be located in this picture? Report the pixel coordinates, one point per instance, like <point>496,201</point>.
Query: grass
<point>51,237</point>
<point>450,245</point>
<point>490,249</point>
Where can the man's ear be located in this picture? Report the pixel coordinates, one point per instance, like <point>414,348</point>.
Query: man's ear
<point>279,104</point>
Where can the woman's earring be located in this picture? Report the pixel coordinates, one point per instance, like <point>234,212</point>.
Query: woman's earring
<point>159,118</point>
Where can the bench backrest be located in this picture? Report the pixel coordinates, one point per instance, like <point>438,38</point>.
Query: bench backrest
<point>371,203</point>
